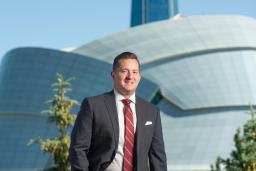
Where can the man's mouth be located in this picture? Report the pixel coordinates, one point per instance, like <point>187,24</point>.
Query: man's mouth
<point>129,82</point>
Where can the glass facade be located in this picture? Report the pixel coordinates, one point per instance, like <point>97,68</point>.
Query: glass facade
<point>200,72</point>
<point>16,130</point>
<point>194,138</point>
<point>146,11</point>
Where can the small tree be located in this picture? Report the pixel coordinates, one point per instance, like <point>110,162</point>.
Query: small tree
<point>60,114</point>
<point>243,158</point>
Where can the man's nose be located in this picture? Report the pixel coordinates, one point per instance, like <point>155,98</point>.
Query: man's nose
<point>129,75</point>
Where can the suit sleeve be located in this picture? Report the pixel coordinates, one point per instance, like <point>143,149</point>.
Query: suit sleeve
<point>157,156</point>
<point>81,138</point>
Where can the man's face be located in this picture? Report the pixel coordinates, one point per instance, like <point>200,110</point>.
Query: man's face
<point>126,77</point>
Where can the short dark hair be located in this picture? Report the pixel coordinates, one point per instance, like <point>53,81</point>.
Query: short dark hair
<point>124,55</point>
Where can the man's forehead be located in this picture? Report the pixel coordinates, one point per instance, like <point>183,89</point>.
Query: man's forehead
<point>128,61</point>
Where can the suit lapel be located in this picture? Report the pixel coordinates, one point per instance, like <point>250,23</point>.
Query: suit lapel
<point>112,111</point>
<point>140,124</point>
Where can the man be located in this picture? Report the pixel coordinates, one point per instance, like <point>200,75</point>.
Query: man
<point>118,131</point>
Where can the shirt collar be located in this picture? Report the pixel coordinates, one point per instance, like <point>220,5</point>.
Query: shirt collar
<point>120,97</point>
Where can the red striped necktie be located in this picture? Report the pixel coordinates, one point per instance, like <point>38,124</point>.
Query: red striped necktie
<point>128,136</point>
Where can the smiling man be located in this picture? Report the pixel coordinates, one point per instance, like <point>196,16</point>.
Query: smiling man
<point>118,131</point>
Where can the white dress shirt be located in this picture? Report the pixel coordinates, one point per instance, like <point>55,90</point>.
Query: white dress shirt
<point>117,163</point>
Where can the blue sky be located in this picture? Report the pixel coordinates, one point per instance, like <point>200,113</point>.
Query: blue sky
<point>59,24</point>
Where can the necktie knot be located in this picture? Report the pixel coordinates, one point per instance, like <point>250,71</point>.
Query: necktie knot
<point>126,101</point>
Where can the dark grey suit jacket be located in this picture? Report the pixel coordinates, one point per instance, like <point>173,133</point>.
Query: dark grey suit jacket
<point>95,135</point>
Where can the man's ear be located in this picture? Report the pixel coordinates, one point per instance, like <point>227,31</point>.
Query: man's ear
<point>112,74</point>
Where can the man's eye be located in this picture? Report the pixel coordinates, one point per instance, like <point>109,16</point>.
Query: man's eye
<point>123,71</point>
